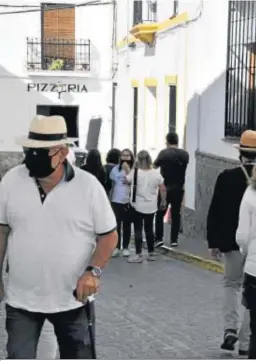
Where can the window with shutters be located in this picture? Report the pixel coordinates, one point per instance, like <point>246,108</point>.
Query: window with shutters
<point>144,11</point>
<point>58,48</point>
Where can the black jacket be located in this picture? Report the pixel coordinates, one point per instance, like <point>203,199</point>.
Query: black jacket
<point>223,216</point>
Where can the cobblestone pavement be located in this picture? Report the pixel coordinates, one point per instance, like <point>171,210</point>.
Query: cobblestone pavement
<point>161,310</point>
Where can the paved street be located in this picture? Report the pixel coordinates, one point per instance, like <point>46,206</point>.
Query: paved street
<point>162,310</point>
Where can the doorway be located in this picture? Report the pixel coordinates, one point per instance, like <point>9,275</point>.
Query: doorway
<point>70,114</point>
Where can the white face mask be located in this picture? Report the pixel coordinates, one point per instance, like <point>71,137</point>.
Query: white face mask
<point>246,161</point>
<point>249,162</point>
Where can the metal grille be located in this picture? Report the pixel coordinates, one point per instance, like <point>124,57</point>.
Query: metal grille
<point>58,54</point>
<point>240,111</point>
<point>144,11</point>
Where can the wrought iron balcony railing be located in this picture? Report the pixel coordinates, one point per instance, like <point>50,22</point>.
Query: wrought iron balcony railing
<point>58,54</point>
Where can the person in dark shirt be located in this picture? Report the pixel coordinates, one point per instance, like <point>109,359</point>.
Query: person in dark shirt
<point>94,166</point>
<point>222,223</point>
<point>112,160</point>
<point>173,163</point>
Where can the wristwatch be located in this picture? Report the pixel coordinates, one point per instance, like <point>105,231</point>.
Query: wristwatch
<point>96,271</point>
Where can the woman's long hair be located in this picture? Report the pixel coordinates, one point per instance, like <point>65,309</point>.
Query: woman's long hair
<point>144,160</point>
<point>94,163</point>
<point>131,162</point>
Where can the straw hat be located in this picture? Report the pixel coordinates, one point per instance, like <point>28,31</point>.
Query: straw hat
<point>46,132</point>
<point>247,142</point>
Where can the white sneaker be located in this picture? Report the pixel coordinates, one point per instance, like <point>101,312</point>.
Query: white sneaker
<point>152,256</point>
<point>116,253</point>
<point>126,252</point>
<point>136,259</point>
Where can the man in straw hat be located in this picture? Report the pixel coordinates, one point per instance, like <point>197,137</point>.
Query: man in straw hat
<point>222,223</point>
<point>62,233</point>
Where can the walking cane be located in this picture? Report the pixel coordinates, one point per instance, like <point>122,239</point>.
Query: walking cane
<point>89,313</point>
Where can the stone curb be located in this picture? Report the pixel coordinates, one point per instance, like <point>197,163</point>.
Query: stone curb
<point>201,262</point>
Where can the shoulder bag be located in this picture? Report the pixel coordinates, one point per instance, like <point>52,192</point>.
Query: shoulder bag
<point>130,205</point>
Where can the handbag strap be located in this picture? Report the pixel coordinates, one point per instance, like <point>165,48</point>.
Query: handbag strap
<point>245,173</point>
<point>134,191</point>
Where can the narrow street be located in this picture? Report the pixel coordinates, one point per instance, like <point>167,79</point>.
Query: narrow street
<point>162,310</point>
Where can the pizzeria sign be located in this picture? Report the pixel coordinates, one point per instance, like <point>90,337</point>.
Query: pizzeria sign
<point>57,87</point>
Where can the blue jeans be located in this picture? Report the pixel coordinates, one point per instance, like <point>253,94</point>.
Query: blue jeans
<point>70,327</point>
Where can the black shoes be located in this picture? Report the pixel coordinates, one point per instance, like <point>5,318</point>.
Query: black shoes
<point>230,339</point>
<point>243,354</point>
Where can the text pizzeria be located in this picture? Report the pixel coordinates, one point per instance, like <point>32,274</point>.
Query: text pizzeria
<point>65,88</point>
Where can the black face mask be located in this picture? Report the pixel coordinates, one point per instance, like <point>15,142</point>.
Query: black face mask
<point>129,162</point>
<point>38,162</point>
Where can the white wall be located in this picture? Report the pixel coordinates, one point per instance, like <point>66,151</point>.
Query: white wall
<point>18,106</point>
<point>196,54</point>
<point>212,84</point>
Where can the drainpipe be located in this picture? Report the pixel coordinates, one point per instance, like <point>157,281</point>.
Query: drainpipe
<point>114,70</point>
<point>113,125</point>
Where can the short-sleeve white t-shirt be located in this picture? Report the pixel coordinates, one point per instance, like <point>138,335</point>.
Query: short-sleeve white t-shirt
<point>148,182</point>
<point>50,244</point>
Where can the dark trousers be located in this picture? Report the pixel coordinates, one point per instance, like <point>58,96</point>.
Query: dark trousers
<point>174,198</point>
<point>249,300</point>
<point>70,327</point>
<point>123,220</point>
<point>147,220</point>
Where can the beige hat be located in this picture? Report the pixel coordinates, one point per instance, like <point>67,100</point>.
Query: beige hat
<point>247,142</point>
<point>46,132</point>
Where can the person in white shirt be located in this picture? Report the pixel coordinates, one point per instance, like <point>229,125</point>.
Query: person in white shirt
<point>57,243</point>
<point>120,201</point>
<point>146,182</point>
<point>246,239</point>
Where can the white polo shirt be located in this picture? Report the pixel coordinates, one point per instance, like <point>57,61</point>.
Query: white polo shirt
<point>51,243</point>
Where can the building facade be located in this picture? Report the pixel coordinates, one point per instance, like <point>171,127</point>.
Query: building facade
<point>56,58</point>
<point>187,66</point>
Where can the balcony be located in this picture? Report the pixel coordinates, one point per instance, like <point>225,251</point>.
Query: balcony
<point>58,55</point>
<point>144,20</point>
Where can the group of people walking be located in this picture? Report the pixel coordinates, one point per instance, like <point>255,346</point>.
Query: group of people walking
<point>231,230</point>
<point>59,228</point>
<point>140,193</point>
